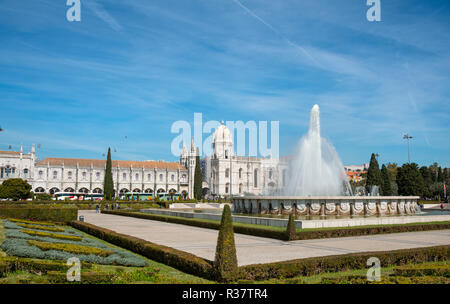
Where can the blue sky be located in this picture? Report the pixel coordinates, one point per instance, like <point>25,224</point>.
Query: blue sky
<point>129,69</point>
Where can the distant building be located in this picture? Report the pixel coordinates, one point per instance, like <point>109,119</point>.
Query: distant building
<point>355,172</point>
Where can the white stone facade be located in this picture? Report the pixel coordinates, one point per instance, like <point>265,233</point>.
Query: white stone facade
<point>53,175</point>
<point>227,174</point>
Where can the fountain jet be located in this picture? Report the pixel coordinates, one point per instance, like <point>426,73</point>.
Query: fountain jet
<point>317,169</point>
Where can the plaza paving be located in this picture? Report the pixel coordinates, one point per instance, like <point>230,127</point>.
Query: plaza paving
<point>254,250</point>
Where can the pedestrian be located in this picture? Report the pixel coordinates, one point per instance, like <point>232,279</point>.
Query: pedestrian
<point>442,206</point>
<point>106,207</point>
<point>97,209</point>
<point>117,206</point>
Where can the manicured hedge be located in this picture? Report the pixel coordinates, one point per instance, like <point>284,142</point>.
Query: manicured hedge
<point>62,215</point>
<point>85,277</point>
<point>387,280</point>
<point>423,270</point>
<point>181,260</point>
<point>256,231</point>
<point>11,264</point>
<point>355,231</point>
<point>283,235</point>
<point>336,263</point>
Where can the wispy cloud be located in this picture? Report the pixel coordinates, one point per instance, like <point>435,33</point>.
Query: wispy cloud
<point>103,14</point>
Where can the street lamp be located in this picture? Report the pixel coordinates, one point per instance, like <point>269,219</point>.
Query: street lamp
<point>408,137</point>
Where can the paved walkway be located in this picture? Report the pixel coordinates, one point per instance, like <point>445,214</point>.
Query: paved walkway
<point>254,250</point>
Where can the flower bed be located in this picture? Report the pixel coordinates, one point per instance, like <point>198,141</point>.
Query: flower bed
<point>62,246</point>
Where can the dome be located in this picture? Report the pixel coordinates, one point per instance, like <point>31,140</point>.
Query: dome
<point>222,134</point>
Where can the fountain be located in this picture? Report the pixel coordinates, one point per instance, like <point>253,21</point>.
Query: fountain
<point>318,186</point>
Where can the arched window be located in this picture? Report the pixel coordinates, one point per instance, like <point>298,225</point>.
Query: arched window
<point>270,173</point>
<point>240,188</point>
<point>227,186</point>
<point>226,154</point>
<point>240,172</point>
<point>55,174</point>
<point>97,176</point>
<point>284,177</point>
<point>41,174</point>
<point>97,190</point>
<point>124,176</point>
<point>149,177</point>
<point>136,177</point>
<point>227,172</point>
<point>25,173</point>
<point>172,178</point>
<point>69,175</point>
<point>160,177</point>
<point>83,175</point>
<point>255,175</point>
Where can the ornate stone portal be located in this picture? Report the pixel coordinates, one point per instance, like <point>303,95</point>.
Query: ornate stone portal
<point>327,205</point>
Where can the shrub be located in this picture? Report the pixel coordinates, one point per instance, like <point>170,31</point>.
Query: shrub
<point>225,263</point>
<point>43,197</point>
<point>85,277</point>
<point>47,228</point>
<point>78,249</point>
<point>181,260</point>
<point>31,222</point>
<point>39,214</point>
<point>52,235</point>
<point>290,228</point>
<point>442,270</point>
<point>11,264</point>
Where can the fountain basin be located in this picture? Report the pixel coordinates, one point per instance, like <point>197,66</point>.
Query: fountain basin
<point>327,205</point>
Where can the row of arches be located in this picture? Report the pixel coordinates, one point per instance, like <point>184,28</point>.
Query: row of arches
<point>100,191</point>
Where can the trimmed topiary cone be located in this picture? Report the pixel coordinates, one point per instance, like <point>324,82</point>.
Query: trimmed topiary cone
<point>290,229</point>
<point>225,263</point>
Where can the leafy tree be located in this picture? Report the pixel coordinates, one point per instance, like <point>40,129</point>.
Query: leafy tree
<point>387,183</point>
<point>374,175</point>
<point>440,176</point>
<point>197,179</point>
<point>108,185</point>
<point>392,168</point>
<point>15,189</point>
<point>428,180</point>
<point>225,262</point>
<point>410,181</point>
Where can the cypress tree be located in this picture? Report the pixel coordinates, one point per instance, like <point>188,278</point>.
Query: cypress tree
<point>290,228</point>
<point>386,187</point>
<point>374,175</point>
<point>225,262</point>
<point>197,179</point>
<point>108,185</point>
